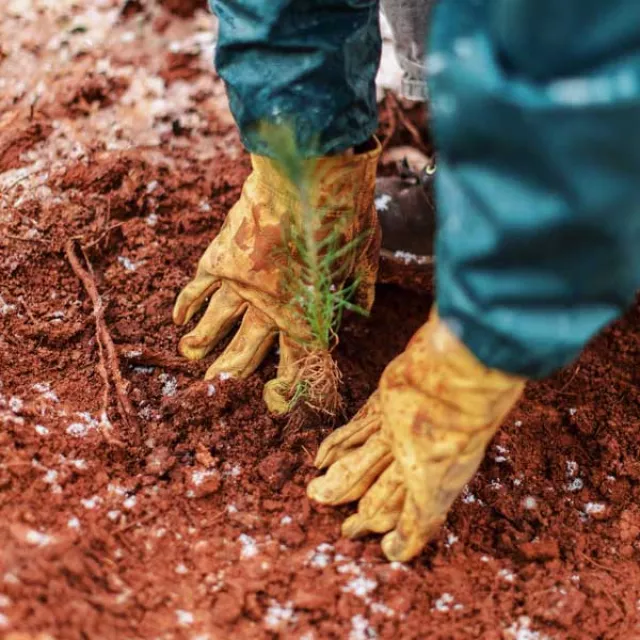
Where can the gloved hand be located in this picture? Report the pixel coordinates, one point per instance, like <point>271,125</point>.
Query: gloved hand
<point>419,439</point>
<point>241,269</point>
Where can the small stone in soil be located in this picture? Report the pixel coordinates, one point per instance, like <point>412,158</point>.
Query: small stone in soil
<point>185,618</point>
<point>91,503</point>
<point>443,603</point>
<point>361,629</point>
<point>37,538</point>
<point>278,615</point>
<point>360,586</point>
<point>249,546</point>
<point>521,630</point>
<point>507,575</point>
<point>128,264</point>
<point>575,485</point>
<point>594,508</point>
<point>169,386</point>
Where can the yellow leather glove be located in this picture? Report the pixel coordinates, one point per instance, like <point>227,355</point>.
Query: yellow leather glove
<point>419,439</point>
<point>241,270</point>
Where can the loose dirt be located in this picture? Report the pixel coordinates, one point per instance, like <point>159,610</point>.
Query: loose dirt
<point>189,519</point>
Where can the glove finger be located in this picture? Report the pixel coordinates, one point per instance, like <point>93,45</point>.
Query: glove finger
<point>349,478</point>
<point>277,392</point>
<point>343,440</point>
<point>248,348</point>
<point>425,507</point>
<point>379,509</point>
<point>192,297</point>
<point>224,309</point>
<point>414,529</point>
<point>432,486</point>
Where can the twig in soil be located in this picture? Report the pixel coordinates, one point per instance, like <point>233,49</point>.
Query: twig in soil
<point>17,181</point>
<point>393,125</point>
<point>600,566</point>
<point>101,237</point>
<point>32,106</point>
<point>564,386</point>
<point>105,232</point>
<point>28,311</point>
<point>215,518</point>
<point>409,126</point>
<point>23,239</point>
<point>616,606</point>
<point>144,356</point>
<point>125,543</point>
<point>139,521</point>
<point>108,358</point>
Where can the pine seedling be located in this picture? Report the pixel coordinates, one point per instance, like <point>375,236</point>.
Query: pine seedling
<point>314,255</point>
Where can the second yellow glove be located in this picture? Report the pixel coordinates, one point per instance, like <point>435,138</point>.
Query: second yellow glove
<point>410,450</point>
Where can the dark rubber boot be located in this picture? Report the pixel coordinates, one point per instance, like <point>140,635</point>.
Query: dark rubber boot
<point>406,210</point>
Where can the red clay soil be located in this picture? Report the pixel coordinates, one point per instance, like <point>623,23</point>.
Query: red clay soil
<point>184,8</point>
<point>187,518</point>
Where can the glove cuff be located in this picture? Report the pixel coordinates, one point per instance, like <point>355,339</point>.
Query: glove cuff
<point>338,181</point>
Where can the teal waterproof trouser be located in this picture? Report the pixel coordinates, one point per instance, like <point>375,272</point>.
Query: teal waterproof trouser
<point>536,108</point>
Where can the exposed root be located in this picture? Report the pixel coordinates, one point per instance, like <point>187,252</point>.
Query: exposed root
<point>316,388</point>
<point>108,359</point>
<point>393,125</point>
<point>320,378</point>
<point>406,123</point>
<point>145,356</point>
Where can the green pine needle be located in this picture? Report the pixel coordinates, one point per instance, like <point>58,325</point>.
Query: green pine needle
<point>313,251</point>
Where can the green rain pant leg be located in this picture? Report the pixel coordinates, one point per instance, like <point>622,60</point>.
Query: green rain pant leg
<point>537,124</point>
<point>308,63</point>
